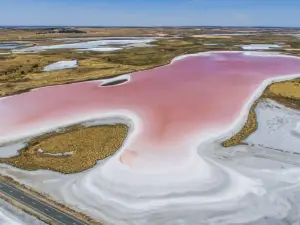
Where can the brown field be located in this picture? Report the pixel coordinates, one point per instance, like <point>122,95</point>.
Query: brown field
<point>40,34</point>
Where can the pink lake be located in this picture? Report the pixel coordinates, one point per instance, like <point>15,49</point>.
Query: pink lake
<point>172,107</point>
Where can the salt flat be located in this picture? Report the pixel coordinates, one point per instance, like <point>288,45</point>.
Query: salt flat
<point>87,45</point>
<point>11,45</point>
<point>279,127</point>
<point>101,49</point>
<point>61,65</point>
<point>9,215</point>
<point>259,46</point>
<point>12,149</point>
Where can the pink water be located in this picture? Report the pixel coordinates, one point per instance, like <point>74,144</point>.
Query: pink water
<point>174,102</point>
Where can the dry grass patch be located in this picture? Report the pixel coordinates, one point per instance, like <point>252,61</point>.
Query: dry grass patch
<point>285,92</point>
<point>41,34</point>
<point>212,36</point>
<point>249,127</point>
<point>286,89</point>
<point>84,147</point>
<point>22,72</point>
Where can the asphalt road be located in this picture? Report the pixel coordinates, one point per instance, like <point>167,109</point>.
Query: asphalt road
<point>47,210</point>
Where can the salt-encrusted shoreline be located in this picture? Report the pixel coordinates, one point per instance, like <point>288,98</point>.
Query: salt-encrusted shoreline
<point>198,190</point>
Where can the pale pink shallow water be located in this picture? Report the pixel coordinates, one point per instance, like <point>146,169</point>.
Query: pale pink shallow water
<point>174,103</point>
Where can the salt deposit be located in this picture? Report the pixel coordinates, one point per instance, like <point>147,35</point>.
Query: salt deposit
<point>100,49</point>
<point>259,46</point>
<point>9,215</point>
<point>61,65</point>
<point>89,45</point>
<point>11,45</point>
<point>278,127</point>
<point>11,149</point>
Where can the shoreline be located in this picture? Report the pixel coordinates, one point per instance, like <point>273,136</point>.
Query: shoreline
<point>126,115</point>
<point>135,123</point>
<point>115,186</point>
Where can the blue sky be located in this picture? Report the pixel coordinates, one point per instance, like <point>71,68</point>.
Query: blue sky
<point>151,12</point>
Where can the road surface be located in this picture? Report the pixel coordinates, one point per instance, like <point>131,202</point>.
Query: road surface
<point>46,210</point>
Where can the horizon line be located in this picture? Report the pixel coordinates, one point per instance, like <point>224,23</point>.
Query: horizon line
<point>163,26</point>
